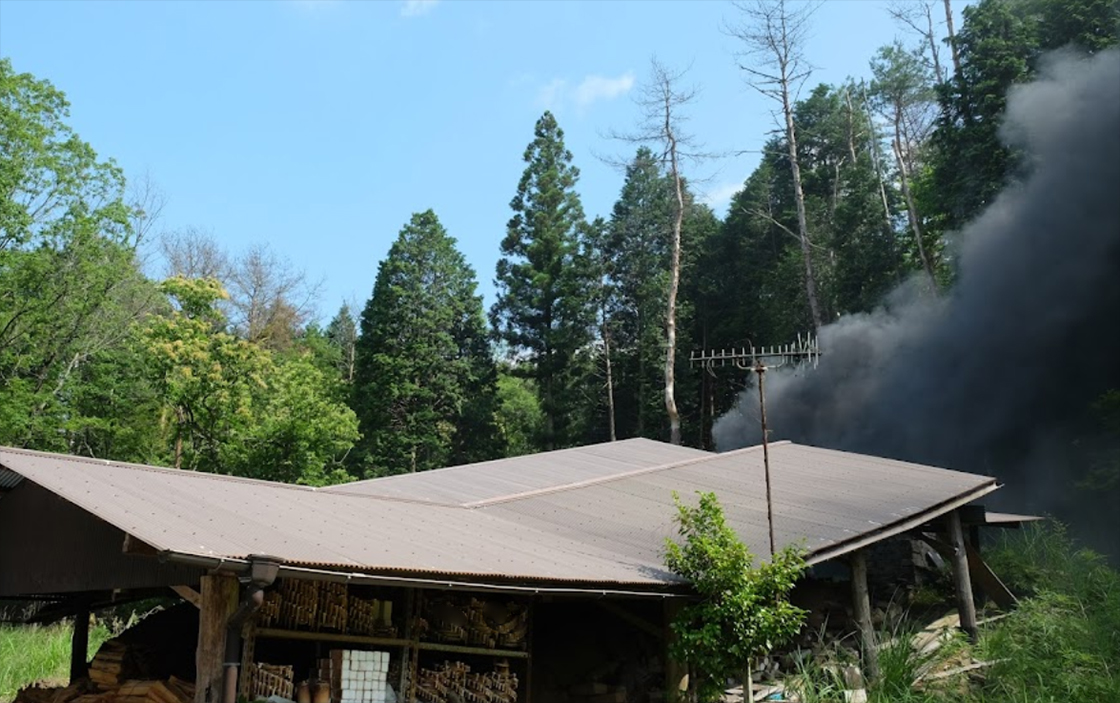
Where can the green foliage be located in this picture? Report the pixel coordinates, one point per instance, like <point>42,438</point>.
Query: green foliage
<point>1063,642</point>
<point>425,379</point>
<point>743,609</point>
<point>34,653</point>
<point>545,308</point>
<point>519,415</point>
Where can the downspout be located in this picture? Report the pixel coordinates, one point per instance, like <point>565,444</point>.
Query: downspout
<point>262,573</point>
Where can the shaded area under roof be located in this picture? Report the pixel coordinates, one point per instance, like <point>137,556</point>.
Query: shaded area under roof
<point>562,522</point>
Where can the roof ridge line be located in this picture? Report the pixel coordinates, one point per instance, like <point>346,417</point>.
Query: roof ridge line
<point>332,489</point>
<point>607,479</point>
<point>147,467</point>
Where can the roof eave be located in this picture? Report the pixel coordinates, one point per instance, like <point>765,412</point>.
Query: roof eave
<point>905,525</point>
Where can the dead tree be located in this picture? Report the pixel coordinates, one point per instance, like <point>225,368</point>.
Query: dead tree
<point>918,18</point>
<point>662,99</point>
<point>952,38</point>
<point>903,94</point>
<point>773,35</point>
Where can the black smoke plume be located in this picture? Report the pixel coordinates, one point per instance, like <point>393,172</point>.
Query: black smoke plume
<point>999,374</point>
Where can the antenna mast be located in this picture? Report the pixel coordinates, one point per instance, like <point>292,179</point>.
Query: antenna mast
<point>759,361</point>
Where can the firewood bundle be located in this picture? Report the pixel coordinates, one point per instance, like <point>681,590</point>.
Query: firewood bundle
<point>452,682</point>
<point>299,604</point>
<point>268,615</point>
<point>171,691</point>
<point>370,616</point>
<point>332,606</point>
<point>270,680</point>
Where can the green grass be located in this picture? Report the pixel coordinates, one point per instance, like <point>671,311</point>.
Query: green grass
<point>31,653</point>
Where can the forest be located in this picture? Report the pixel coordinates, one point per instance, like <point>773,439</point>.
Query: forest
<point>219,364</point>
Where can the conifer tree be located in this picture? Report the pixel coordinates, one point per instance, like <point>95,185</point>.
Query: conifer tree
<point>544,312</point>
<point>424,382</point>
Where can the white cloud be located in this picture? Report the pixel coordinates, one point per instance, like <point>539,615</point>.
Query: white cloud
<point>720,196</point>
<point>590,90</point>
<point>595,88</point>
<point>415,8</point>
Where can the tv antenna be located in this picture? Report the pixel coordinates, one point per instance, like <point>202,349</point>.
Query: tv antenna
<point>759,361</point>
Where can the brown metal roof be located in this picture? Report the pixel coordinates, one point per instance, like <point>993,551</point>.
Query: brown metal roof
<point>568,521</point>
<point>490,480</point>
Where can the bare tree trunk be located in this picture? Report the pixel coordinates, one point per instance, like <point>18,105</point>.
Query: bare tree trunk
<point>774,36</point>
<point>911,208</point>
<point>802,219</point>
<point>952,38</point>
<point>606,332</point>
<point>674,286</point>
<point>931,39</point>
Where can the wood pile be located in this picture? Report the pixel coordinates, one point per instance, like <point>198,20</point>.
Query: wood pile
<point>453,682</point>
<point>269,680</point>
<point>116,662</point>
<point>173,690</point>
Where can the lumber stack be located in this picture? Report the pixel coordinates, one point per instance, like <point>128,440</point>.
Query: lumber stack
<point>453,682</point>
<point>317,606</point>
<point>145,692</point>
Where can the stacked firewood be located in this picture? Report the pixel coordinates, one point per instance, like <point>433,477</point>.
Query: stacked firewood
<point>270,680</point>
<point>453,682</point>
<point>370,616</point>
<point>299,604</point>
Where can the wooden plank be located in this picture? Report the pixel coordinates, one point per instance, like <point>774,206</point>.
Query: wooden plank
<point>189,595</point>
<point>218,601</point>
<point>965,605</point>
<point>861,609</point>
<point>460,649</point>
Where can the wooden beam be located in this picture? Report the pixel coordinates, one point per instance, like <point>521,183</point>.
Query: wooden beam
<point>861,609</point>
<point>638,622</point>
<point>990,584</point>
<point>79,642</point>
<point>218,600</point>
<point>965,605</point>
<point>189,595</point>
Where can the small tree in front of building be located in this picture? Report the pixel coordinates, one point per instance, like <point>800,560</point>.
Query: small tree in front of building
<point>743,610</point>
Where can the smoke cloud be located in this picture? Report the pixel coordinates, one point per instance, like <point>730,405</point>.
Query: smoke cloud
<point>997,375</point>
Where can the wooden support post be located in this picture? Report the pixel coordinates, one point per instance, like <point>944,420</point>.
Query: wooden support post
<point>676,673</point>
<point>861,609</point>
<point>79,643</point>
<point>218,594</point>
<point>965,605</point>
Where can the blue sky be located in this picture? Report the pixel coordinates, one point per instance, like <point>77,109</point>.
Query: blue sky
<point>319,126</point>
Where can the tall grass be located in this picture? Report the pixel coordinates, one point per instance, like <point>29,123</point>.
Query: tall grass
<point>31,653</point>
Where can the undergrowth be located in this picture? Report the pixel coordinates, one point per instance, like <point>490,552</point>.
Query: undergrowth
<point>33,653</point>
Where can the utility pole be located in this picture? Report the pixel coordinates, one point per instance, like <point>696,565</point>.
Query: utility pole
<point>759,361</point>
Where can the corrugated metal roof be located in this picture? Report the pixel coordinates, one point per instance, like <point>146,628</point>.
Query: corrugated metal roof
<point>8,479</point>
<point>575,523</point>
<point>491,480</point>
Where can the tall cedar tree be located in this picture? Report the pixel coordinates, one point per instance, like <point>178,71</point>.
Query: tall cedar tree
<point>425,380</point>
<point>545,307</point>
